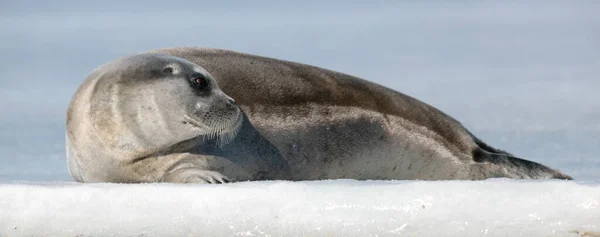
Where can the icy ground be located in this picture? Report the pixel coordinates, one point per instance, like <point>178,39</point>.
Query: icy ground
<point>324,208</point>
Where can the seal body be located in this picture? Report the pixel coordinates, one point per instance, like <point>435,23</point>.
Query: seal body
<point>330,125</point>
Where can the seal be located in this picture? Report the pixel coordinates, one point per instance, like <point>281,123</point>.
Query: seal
<point>132,120</point>
<point>159,118</point>
<point>330,125</point>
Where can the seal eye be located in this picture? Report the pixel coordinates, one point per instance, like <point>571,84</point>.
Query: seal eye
<point>199,82</point>
<point>168,70</point>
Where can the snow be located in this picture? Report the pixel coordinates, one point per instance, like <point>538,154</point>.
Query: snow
<point>497,207</point>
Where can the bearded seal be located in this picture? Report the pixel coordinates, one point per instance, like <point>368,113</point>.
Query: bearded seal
<point>330,125</point>
<point>133,120</point>
<point>160,118</point>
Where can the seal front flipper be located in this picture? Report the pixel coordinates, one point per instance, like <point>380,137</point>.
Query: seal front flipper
<point>196,168</point>
<point>194,175</point>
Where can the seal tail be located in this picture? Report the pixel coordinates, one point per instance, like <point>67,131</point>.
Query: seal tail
<point>513,167</point>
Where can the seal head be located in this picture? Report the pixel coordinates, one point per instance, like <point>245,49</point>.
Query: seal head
<point>159,96</point>
<point>141,105</point>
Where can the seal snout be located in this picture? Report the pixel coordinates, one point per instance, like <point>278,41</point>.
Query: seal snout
<point>231,105</point>
<point>231,102</point>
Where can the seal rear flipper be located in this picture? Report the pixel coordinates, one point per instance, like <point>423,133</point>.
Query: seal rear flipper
<point>513,167</point>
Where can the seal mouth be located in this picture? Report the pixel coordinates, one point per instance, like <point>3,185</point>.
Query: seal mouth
<point>224,133</point>
<point>195,123</point>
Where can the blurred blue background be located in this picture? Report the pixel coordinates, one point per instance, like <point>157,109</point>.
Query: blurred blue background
<point>522,75</point>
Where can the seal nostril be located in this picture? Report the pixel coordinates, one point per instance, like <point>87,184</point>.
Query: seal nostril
<point>231,101</point>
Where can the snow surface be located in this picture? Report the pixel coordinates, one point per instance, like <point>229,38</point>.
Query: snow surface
<point>320,208</point>
<point>521,75</point>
